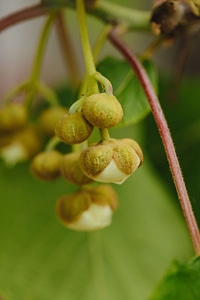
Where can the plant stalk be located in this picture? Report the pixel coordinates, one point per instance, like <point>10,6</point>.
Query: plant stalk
<point>165,137</point>
<point>87,51</point>
<point>23,15</point>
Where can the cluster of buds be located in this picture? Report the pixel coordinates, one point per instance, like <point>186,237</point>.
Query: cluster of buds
<point>19,140</point>
<point>88,208</point>
<point>108,161</point>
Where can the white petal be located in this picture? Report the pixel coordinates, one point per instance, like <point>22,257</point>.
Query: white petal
<point>111,174</point>
<point>96,217</point>
<point>13,153</point>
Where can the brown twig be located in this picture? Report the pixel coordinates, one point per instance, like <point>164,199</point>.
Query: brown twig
<point>22,15</point>
<point>165,136</point>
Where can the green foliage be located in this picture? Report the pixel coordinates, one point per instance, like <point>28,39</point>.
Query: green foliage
<point>183,117</point>
<point>41,260</point>
<point>127,88</point>
<point>181,282</point>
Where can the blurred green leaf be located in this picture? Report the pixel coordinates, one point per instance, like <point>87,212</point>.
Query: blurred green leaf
<point>181,282</point>
<point>127,88</point>
<point>41,260</point>
<point>58,3</point>
<point>183,116</point>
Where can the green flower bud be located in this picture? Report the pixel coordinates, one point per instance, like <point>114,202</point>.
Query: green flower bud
<point>46,165</point>
<point>73,129</point>
<point>136,148</point>
<point>110,161</point>
<point>12,117</point>
<point>71,170</point>
<point>49,118</point>
<point>87,210</point>
<point>102,110</point>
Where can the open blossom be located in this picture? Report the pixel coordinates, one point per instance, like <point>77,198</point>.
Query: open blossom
<point>111,161</point>
<point>87,210</point>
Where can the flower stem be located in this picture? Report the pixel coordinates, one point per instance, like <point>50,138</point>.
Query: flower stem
<point>104,133</point>
<point>133,19</point>
<point>87,51</point>
<point>165,136</point>
<point>38,59</point>
<point>23,15</point>
<point>52,143</point>
<point>67,49</point>
<point>49,95</point>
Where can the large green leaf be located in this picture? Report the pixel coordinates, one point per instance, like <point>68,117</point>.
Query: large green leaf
<point>41,260</point>
<point>127,88</point>
<point>181,282</point>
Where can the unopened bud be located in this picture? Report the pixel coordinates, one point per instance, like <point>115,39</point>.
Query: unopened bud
<point>12,117</point>
<point>49,117</point>
<point>102,110</point>
<point>46,165</point>
<point>110,161</point>
<point>73,128</point>
<point>71,170</point>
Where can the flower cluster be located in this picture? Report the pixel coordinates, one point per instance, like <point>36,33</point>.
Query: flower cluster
<point>107,161</point>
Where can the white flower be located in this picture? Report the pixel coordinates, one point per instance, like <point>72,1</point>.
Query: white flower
<point>113,174</point>
<point>88,209</point>
<point>13,153</point>
<point>111,161</point>
<point>95,217</point>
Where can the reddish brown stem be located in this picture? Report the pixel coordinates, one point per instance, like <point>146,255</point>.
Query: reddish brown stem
<point>165,136</point>
<point>22,15</point>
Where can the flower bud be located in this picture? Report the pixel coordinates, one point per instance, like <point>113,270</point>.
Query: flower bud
<point>87,210</point>
<point>71,170</point>
<point>12,117</point>
<point>136,147</point>
<point>23,145</point>
<point>73,129</point>
<point>110,161</point>
<point>104,194</point>
<point>49,118</point>
<point>46,165</point>
<point>102,110</point>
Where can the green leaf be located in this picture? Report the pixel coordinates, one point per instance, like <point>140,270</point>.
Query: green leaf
<point>127,88</point>
<point>58,3</point>
<point>181,282</point>
<point>182,115</point>
<point>40,259</point>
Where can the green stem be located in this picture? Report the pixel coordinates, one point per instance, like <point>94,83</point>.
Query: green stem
<point>101,41</point>
<point>104,82</point>
<point>87,52</point>
<point>52,143</point>
<point>47,93</point>
<point>67,49</point>
<point>104,133</point>
<point>107,12</point>
<point>38,59</point>
<point>133,19</point>
<point>17,90</point>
